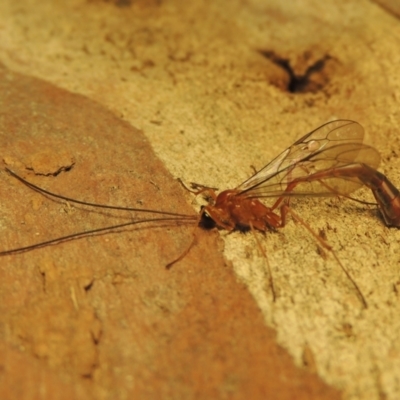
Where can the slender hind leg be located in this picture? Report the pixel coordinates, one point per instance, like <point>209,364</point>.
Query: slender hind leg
<point>264,253</point>
<point>325,245</point>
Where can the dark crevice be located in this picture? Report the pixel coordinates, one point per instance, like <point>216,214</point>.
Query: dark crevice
<point>88,286</point>
<point>96,337</point>
<point>129,3</point>
<point>43,277</point>
<point>53,173</point>
<point>313,80</point>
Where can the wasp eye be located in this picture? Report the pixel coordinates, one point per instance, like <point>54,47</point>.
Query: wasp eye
<point>206,221</point>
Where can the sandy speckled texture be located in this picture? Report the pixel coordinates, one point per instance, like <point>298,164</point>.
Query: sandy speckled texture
<point>208,84</point>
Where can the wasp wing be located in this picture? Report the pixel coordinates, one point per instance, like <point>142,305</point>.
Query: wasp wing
<point>335,144</point>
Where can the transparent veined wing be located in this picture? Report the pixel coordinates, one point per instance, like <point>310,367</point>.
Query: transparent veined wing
<point>333,145</point>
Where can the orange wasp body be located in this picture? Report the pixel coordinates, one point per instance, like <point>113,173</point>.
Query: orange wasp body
<point>330,161</point>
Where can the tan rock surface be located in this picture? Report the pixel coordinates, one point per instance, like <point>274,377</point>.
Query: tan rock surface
<point>208,84</point>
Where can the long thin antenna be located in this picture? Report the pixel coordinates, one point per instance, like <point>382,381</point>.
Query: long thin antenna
<point>78,235</point>
<point>164,218</point>
<point>85,203</point>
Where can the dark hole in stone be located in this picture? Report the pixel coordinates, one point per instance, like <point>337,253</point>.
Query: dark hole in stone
<point>118,3</point>
<point>313,80</point>
<point>88,286</point>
